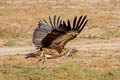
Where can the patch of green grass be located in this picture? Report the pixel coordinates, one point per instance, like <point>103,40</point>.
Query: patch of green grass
<point>73,55</point>
<point>99,63</point>
<point>10,43</point>
<point>102,36</point>
<point>20,73</point>
<point>68,71</point>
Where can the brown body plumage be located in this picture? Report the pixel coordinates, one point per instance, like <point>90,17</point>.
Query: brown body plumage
<point>51,39</point>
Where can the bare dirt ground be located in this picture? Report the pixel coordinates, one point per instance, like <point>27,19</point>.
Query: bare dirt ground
<point>76,45</point>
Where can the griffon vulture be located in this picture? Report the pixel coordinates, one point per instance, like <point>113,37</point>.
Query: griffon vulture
<point>50,39</point>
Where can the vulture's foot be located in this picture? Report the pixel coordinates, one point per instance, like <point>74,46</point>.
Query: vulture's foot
<point>43,58</point>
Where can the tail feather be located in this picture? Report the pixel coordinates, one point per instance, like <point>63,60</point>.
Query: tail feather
<point>30,55</point>
<point>33,54</point>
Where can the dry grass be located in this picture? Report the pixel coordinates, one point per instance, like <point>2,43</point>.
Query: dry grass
<point>82,65</point>
<point>19,68</point>
<point>92,58</point>
<point>19,18</point>
<point>101,63</point>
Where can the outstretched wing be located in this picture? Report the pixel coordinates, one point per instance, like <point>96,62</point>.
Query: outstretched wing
<point>40,32</point>
<point>43,30</point>
<point>58,34</point>
<point>69,32</point>
<point>59,37</point>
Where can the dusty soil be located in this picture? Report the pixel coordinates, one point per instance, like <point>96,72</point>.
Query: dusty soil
<point>76,45</point>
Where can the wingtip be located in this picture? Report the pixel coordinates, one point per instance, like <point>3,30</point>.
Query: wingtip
<point>78,22</point>
<point>83,26</point>
<point>50,21</point>
<point>74,22</point>
<point>69,25</point>
<point>58,21</point>
<point>45,21</point>
<point>54,20</point>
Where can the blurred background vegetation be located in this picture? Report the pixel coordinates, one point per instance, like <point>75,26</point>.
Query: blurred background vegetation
<point>19,18</point>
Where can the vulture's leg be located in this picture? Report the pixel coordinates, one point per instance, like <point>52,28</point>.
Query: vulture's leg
<point>44,58</point>
<point>41,56</point>
<point>38,53</point>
